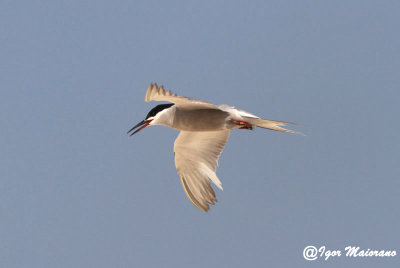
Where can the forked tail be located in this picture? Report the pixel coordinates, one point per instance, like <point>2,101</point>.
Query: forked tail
<point>270,124</point>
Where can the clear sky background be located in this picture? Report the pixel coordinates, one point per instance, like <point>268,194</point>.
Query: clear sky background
<point>76,191</point>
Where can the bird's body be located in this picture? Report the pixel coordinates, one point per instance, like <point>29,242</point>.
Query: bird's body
<point>199,120</point>
<point>205,129</point>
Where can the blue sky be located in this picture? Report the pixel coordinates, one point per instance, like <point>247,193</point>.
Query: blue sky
<point>75,191</point>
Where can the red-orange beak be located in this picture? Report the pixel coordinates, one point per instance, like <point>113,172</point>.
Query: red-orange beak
<point>143,125</point>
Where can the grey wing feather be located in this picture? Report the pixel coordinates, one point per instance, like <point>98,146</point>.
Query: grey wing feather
<point>156,93</point>
<point>196,160</point>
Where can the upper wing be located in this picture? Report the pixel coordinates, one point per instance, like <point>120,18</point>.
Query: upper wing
<point>196,159</point>
<point>155,93</point>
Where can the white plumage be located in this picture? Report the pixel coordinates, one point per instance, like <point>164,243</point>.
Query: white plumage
<point>205,129</point>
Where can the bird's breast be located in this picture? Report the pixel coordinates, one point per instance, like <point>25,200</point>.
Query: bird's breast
<point>200,120</point>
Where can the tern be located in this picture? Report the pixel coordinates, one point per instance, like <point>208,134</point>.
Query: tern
<point>204,130</point>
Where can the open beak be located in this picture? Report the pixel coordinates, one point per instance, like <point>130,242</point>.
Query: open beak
<point>143,124</point>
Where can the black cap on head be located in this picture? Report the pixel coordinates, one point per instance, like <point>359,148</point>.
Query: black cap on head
<point>158,109</point>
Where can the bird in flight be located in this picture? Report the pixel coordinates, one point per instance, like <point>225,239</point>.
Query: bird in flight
<point>204,130</point>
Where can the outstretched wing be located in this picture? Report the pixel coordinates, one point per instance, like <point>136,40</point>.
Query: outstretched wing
<point>196,159</point>
<point>155,93</point>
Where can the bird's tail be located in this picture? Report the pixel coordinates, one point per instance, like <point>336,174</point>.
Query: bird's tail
<point>270,124</point>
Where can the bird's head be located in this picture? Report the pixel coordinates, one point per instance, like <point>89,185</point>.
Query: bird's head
<point>154,117</point>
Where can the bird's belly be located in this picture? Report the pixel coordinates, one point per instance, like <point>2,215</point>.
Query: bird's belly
<point>200,120</point>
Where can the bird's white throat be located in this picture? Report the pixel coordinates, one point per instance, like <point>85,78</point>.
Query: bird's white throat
<point>164,117</point>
